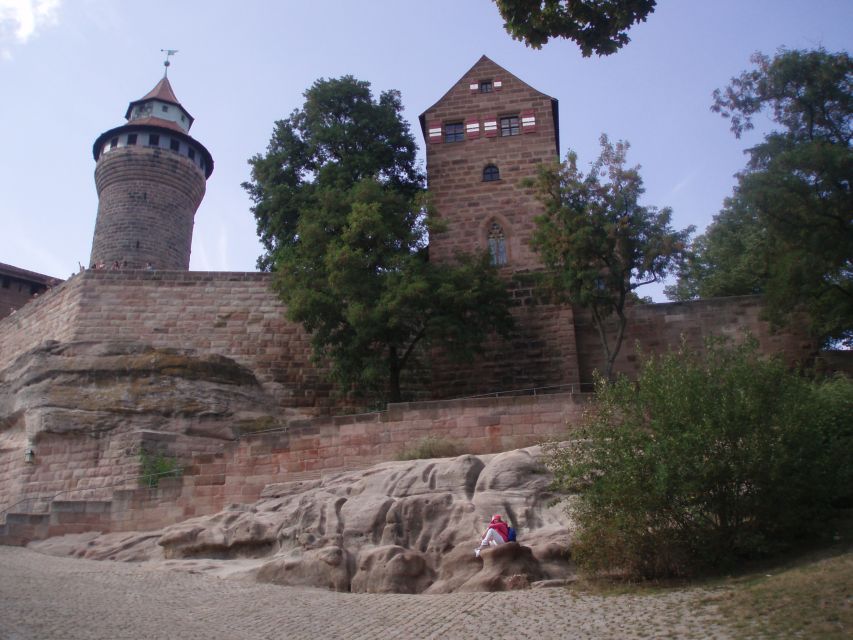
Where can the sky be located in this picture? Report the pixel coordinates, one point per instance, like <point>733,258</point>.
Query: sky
<point>69,68</point>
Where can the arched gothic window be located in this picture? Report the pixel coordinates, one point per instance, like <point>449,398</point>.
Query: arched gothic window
<point>497,245</point>
<point>491,173</point>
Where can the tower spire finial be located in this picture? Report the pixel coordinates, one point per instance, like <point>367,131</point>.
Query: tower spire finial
<point>166,63</point>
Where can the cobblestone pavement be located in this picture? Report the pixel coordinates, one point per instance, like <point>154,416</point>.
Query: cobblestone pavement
<point>44,597</point>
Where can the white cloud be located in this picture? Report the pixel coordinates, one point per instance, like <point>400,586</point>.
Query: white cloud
<point>20,20</point>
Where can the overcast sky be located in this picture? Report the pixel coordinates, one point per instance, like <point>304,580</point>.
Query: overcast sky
<point>68,69</point>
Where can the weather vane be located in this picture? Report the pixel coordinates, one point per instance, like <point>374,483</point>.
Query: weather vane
<point>166,63</point>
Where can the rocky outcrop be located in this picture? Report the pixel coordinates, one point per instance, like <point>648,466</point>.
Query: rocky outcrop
<point>397,527</point>
<point>86,387</point>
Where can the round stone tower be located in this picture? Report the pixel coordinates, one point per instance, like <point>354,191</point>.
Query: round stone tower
<point>150,176</point>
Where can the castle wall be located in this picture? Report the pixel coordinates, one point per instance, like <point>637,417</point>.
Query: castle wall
<point>659,328</point>
<point>219,473</point>
<point>230,314</point>
<point>541,352</point>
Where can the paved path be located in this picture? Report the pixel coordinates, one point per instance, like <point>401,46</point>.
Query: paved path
<point>45,598</point>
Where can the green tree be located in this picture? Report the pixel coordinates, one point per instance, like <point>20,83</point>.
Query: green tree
<point>793,200</point>
<point>709,459</point>
<point>337,202</point>
<point>596,26</point>
<point>598,242</point>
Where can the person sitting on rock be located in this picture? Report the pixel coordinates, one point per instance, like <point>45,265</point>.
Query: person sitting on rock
<point>496,534</point>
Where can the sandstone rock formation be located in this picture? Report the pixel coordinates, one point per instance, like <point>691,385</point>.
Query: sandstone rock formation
<point>397,527</point>
<point>100,387</point>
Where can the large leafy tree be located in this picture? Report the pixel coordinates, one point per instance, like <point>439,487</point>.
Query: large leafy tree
<point>788,229</point>
<point>597,26</point>
<point>599,243</point>
<point>337,203</point>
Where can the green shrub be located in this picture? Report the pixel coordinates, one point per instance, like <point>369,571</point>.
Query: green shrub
<point>430,447</point>
<point>154,466</point>
<point>705,461</point>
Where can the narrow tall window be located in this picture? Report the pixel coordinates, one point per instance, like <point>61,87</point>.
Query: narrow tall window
<point>497,245</point>
<point>491,173</point>
<point>113,143</point>
<point>509,126</point>
<point>174,145</point>
<point>191,153</point>
<point>454,132</point>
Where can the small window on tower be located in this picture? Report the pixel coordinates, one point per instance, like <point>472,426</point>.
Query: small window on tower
<point>191,153</point>
<point>131,138</point>
<point>183,118</point>
<point>113,143</point>
<point>497,245</point>
<point>491,173</point>
<point>174,145</point>
<point>486,86</point>
<point>165,108</point>
<point>153,140</point>
<point>454,132</point>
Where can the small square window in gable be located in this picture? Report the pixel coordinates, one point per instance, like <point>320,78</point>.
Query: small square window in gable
<point>486,86</point>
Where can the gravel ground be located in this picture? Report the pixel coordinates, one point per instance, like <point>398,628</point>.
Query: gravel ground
<point>44,597</point>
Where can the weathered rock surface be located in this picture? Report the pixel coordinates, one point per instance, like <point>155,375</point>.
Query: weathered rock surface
<point>99,387</point>
<point>397,527</point>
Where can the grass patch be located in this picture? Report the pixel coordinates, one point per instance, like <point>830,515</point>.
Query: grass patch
<point>431,447</point>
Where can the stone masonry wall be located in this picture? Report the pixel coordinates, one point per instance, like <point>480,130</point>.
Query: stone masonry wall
<point>219,473</point>
<point>658,328</point>
<point>231,314</point>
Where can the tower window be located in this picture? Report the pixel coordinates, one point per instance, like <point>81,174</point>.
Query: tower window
<point>509,126</point>
<point>165,108</point>
<point>174,145</point>
<point>497,245</point>
<point>113,143</point>
<point>131,138</point>
<point>183,118</point>
<point>153,140</point>
<point>486,86</point>
<point>191,153</point>
<point>454,132</point>
<point>491,173</point>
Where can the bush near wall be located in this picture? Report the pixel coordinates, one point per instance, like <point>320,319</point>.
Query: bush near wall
<point>705,461</point>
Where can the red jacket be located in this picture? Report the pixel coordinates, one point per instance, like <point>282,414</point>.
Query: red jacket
<point>501,527</point>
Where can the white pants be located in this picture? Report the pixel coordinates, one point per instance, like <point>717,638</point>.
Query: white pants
<point>492,538</point>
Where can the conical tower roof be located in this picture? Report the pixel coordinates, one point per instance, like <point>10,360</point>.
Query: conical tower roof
<point>161,92</point>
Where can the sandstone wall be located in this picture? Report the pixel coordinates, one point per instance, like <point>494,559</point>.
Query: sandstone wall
<point>658,328</point>
<point>219,473</point>
<point>230,314</point>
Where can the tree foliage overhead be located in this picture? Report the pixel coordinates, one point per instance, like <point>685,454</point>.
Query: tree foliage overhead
<point>598,242</point>
<point>338,207</point>
<point>792,210</point>
<point>709,459</point>
<point>597,26</point>
<point>340,136</point>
